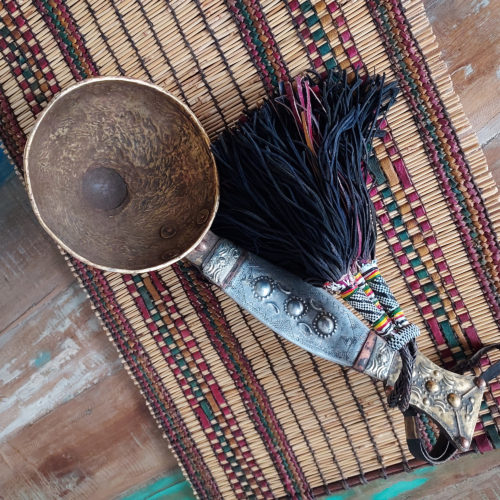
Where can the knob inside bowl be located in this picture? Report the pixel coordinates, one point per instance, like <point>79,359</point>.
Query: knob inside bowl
<point>104,188</point>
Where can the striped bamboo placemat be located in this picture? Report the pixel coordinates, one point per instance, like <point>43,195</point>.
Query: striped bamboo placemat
<point>246,413</point>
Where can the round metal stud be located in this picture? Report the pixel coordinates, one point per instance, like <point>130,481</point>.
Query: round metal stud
<point>263,287</point>
<point>167,232</point>
<point>324,324</point>
<point>426,401</point>
<point>431,386</point>
<point>463,443</point>
<point>295,308</point>
<point>104,188</point>
<point>454,400</point>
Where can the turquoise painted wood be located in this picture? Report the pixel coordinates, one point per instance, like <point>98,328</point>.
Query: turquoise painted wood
<point>388,489</point>
<point>172,486</point>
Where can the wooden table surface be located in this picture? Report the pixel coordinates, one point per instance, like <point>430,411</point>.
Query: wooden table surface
<point>72,423</point>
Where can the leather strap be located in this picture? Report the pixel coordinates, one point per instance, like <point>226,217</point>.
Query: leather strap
<point>492,372</point>
<point>468,364</point>
<point>442,451</point>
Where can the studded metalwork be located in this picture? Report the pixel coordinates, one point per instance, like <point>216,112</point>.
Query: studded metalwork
<point>303,314</point>
<point>432,386</point>
<point>326,328</point>
<point>295,307</point>
<point>263,287</point>
<point>324,324</point>
<point>453,402</point>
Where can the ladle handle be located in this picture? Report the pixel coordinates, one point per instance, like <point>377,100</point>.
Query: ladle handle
<point>314,320</point>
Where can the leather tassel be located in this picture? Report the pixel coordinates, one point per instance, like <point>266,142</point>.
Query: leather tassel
<point>293,176</point>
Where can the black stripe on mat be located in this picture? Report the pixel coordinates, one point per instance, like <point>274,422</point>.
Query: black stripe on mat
<point>131,41</point>
<point>195,59</point>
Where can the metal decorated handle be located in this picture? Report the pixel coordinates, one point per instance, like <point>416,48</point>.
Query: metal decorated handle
<point>312,319</point>
<point>450,399</point>
<point>301,313</point>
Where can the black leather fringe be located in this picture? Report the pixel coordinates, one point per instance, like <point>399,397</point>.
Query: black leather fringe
<point>293,175</point>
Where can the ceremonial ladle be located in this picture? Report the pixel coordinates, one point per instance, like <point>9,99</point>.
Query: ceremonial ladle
<point>120,174</point>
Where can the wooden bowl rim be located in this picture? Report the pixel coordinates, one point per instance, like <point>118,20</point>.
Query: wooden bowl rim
<point>190,114</point>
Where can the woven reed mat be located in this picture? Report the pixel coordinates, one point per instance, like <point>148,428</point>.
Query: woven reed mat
<point>245,412</point>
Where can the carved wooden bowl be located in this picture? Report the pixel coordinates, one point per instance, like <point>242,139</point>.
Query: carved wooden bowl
<point>120,174</point>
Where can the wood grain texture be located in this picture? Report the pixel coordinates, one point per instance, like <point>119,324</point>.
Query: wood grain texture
<point>30,266</point>
<point>492,152</point>
<point>73,425</point>
<point>79,357</point>
<point>468,33</point>
<point>95,445</point>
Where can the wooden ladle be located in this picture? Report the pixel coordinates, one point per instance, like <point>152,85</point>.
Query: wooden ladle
<point>120,174</point>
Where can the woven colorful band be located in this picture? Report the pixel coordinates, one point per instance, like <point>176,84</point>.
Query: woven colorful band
<point>372,274</point>
<point>355,296</point>
<point>360,281</point>
<point>347,292</point>
<point>404,331</point>
<point>381,325</point>
<point>397,314</point>
<point>381,290</point>
<point>369,293</point>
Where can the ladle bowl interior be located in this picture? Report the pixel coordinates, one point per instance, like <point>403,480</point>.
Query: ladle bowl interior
<point>120,174</point>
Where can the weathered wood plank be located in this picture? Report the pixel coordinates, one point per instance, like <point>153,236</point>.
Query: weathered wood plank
<point>70,417</point>
<point>31,267</point>
<point>492,152</point>
<point>172,486</point>
<point>95,445</point>
<point>68,353</point>
<point>471,477</point>
<point>468,33</point>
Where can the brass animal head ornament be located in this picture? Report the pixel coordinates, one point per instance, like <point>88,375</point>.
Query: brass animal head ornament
<point>120,174</point>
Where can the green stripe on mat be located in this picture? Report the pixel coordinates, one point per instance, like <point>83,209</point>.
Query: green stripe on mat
<point>6,166</point>
<point>173,487</point>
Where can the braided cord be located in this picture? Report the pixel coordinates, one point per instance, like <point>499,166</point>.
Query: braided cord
<point>355,291</point>
<point>352,290</point>
<point>405,331</point>
<point>360,281</point>
<point>372,275</point>
<point>378,319</point>
<point>380,308</point>
<point>402,341</point>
